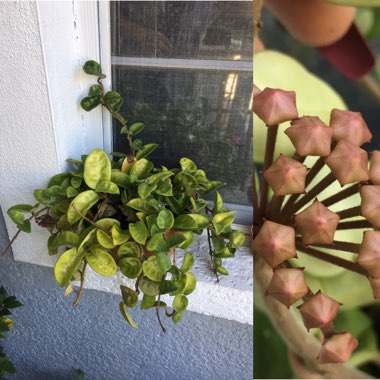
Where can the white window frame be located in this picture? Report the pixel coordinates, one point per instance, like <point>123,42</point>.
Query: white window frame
<point>70,34</point>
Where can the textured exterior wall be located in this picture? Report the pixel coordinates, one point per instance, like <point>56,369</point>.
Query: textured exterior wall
<point>49,336</point>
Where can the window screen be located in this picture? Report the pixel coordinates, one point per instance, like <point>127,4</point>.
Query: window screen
<point>185,71</point>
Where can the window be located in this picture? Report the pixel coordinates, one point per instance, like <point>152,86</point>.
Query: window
<point>185,71</point>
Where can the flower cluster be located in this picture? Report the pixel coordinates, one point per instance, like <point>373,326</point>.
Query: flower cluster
<point>294,219</point>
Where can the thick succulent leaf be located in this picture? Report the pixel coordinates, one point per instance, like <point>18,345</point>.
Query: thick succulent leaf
<point>97,167</point>
<point>130,267</point>
<point>165,219</point>
<point>127,316</point>
<point>130,297</point>
<point>191,284</point>
<point>187,263</point>
<point>101,262</point>
<point>152,270</point>
<point>138,231</point>
<point>149,287</point>
<point>67,264</point>
<point>82,202</point>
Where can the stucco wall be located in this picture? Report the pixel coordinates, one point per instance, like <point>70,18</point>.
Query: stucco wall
<point>50,337</point>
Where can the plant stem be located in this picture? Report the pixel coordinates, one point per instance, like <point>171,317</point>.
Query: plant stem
<point>331,259</point>
<point>89,220</point>
<point>268,159</point>
<point>211,252</point>
<point>255,198</point>
<point>349,213</point>
<point>344,246</point>
<point>158,314</point>
<point>82,278</point>
<point>294,333</point>
<point>356,224</point>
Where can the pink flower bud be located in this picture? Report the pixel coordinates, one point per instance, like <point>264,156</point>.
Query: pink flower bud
<point>369,253</point>
<point>374,171</point>
<point>286,176</point>
<point>310,136</point>
<point>288,285</point>
<point>375,285</point>
<point>275,106</point>
<point>317,224</point>
<point>349,126</point>
<point>319,311</point>
<point>337,348</point>
<point>275,243</point>
<point>370,203</point>
<point>349,163</point>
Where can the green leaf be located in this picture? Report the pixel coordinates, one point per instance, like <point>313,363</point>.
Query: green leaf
<point>145,190</point>
<point>138,231</point>
<point>141,205</point>
<point>222,270</point>
<point>58,179</point>
<point>237,239</point>
<point>101,262</point>
<point>123,130</point>
<point>175,240</point>
<point>127,316</point>
<point>113,101</point>
<point>71,191</point>
<point>82,202</point>
<point>130,267</point>
<point>90,102</point>
<point>129,249</point>
<point>25,226</point>
<point>65,238</point>
<point>93,68</point>
<point>141,168</point>
<point>218,203</point>
<point>107,187</point>
<point>148,302</point>
<point>356,3</point>
<point>16,216</point>
<point>130,297</point>
<point>187,165</point>
<point>22,208</point>
<point>11,303</point>
<point>202,220</point>
<point>177,317</point>
<point>65,267</point>
<point>146,150</point>
<point>167,286</point>
<point>119,236</point>
<point>149,287</point>
<point>41,196</point>
<point>163,261</point>
<point>223,220</point>
<point>152,270</point>
<point>211,186</point>
<point>191,284</point>
<point>157,243</point>
<point>185,222</point>
<point>165,188</point>
<point>189,240</point>
<point>121,179</point>
<point>188,262</point>
<point>95,90</point>
<point>187,181</point>
<point>97,167</point>
<point>180,303</point>
<point>136,128</point>
<point>165,219</point>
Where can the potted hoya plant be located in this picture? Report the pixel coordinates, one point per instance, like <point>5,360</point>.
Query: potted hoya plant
<point>125,214</point>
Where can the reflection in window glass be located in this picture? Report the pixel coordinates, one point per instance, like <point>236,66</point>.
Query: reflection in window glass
<point>201,113</point>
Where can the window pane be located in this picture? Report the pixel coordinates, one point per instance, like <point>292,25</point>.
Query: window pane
<point>201,115</point>
<point>182,29</point>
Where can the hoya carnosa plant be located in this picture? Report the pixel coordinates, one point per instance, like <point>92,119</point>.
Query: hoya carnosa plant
<point>130,216</point>
<point>292,214</point>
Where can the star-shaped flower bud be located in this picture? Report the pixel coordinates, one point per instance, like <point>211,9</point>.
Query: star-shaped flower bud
<point>275,106</point>
<point>374,170</point>
<point>370,203</point>
<point>349,126</point>
<point>319,311</point>
<point>375,285</point>
<point>337,348</point>
<point>310,136</point>
<point>275,243</point>
<point>317,224</point>
<point>369,253</point>
<point>286,176</point>
<point>349,163</point>
<point>288,285</point>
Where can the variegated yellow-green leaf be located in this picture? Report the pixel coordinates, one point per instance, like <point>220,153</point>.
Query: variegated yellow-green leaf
<point>145,190</point>
<point>148,302</point>
<point>65,238</point>
<point>146,150</point>
<point>138,231</point>
<point>187,165</point>
<point>177,317</point>
<point>65,267</point>
<point>165,219</point>
<point>152,270</point>
<point>188,262</point>
<point>130,297</point>
<point>237,239</point>
<point>157,243</point>
<point>127,316</point>
<point>106,186</point>
<point>105,239</point>
<point>87,240</point>
<point>223,220</point>
<point>101,262</point>
<point>189,240</point>
<point>218,203</point>
<point>141,205</point>
<point>202,220</point>
<point>81,204</point>
<point>119,236</point>
<point>185,222</point>
<point>168,286</point>
<point>97,167</point>
<point>129,249</point>
<point>141,168</point>
<point>163,261</point>
<point>175,240</point>
<point>191,284</point>
<point>180,303</point>
<point>121,179</point>
<point>222,270</point>
<point>130,267</point>
<point>149,287</point>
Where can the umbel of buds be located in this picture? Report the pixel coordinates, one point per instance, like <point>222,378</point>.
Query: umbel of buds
<point>296,219</point>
